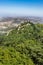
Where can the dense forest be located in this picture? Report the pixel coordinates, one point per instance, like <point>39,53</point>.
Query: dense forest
<point>23,45</point>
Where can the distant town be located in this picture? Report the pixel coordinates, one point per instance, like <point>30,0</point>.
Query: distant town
<point>8,23</point>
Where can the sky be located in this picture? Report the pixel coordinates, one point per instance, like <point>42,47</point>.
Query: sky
<point>21,8</point>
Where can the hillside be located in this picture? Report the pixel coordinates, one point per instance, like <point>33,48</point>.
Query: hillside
<point>23,45</point>
<point>8,23</point>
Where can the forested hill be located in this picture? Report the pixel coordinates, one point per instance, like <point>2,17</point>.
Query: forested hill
<point>23,45</point>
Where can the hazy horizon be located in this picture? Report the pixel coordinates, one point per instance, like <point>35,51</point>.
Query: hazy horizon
<point>21,8</point>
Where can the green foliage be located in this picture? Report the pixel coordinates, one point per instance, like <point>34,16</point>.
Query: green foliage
<point>23,45</point>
